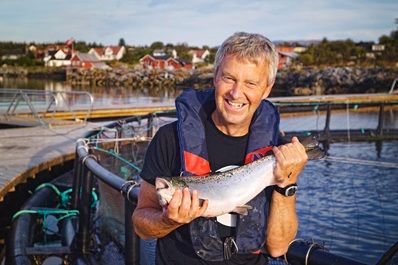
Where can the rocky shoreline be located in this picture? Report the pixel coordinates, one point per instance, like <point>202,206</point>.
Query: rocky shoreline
<point>330,81</point>
<point>289,82</point>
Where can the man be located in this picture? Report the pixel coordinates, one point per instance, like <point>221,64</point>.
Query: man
<point>230,125</point>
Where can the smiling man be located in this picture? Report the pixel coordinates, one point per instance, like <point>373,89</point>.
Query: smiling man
<point>228,126</point>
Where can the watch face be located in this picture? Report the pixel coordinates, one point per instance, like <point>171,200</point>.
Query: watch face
<point>291,191</point>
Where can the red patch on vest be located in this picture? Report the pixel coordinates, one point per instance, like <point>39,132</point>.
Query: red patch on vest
<point>250,157</point>
<point>195,164</point>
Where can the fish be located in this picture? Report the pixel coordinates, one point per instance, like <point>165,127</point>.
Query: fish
<point>231,190</point>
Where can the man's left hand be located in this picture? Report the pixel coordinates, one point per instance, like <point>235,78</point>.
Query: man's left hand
<point>290,161</point>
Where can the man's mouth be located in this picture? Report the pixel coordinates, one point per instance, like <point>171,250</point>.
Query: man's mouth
<point>236,104</point>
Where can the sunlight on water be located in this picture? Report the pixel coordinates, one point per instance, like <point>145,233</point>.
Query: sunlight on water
<point>351,208</point>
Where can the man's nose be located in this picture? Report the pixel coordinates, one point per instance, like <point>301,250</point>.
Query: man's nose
<point>236,90</point>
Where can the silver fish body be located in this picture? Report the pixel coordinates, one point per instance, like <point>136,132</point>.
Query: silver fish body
<point>227,191</point>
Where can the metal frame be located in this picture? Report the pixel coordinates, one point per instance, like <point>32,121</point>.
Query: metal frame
<point>49,103</point>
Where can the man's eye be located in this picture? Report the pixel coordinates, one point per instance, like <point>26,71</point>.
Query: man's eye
<point>251,84</point>
<point>228,78</point>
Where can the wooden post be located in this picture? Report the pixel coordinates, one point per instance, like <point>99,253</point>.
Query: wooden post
<point>380,126</point>
<point>326,130</point>
<point>150,125</point>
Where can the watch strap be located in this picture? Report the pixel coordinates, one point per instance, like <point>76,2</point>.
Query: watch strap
<point>287,191</point>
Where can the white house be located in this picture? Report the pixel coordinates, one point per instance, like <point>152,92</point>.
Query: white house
<point>199,56</point>
<point>57,58</point>
<point>109,53</point>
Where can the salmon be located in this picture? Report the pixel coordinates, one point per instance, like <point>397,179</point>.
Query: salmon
<point>231,190</point>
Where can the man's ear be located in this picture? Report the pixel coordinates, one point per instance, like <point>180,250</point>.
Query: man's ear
<point>267,90</point>
<point>215,78</point>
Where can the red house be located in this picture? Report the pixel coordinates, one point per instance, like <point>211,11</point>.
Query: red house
<point>87,61</point>
<point>286,55</point>
<point>164,63</point>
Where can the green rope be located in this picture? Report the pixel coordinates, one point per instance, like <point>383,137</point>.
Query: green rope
<point>95,199</point>
<point>46,212</point>
<point>112,153</point>
<point>65,196</point>
<point>48,185</point>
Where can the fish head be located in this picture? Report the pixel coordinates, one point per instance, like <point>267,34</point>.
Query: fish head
<point>165,190</point>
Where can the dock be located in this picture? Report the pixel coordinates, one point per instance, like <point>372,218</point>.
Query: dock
<point>26,152</point>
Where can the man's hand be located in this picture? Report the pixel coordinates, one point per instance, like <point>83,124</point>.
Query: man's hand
<point>290,161</point>
<point>184,207</point>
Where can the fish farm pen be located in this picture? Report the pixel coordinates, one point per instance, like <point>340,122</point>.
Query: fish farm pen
<point>84,216</point>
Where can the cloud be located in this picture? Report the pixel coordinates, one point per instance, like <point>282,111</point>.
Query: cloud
<point>196,22</point>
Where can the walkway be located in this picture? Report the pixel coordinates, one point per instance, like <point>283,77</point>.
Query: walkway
<point>28,151</point>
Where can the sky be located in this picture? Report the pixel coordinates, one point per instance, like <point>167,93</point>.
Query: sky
<point>197,22</point>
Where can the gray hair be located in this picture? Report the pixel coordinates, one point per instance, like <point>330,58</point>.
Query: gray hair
<point>252,47</point>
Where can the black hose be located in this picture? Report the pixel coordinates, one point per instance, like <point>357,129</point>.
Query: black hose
<point>388,255</point>
<point>301,252</point>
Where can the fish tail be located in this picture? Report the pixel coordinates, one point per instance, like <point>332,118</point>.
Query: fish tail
<point>312,147</point>
<point>311,144</point>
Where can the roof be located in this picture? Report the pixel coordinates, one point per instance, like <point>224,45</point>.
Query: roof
<point>101,51</point>
<point>161,58</point>
<point>87,57</point>
<point>198,53</point>
<point>289,54</point>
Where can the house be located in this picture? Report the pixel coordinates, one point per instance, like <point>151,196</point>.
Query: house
<point>199,56</point>
<point>57,58</point>
<point>109,53</point>
<point>12,56</point>
<point>164,62</point>
<point>286,55</point>
<point>159,53</point>
<point>87,61</point>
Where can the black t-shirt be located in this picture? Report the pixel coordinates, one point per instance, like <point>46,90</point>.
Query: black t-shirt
<point>163,159</point>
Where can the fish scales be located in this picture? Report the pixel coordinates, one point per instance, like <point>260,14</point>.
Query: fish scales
<point>225,190</point>
<point>230,190</point>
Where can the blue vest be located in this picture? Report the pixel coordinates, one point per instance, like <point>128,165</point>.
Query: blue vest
<point>263,134</point>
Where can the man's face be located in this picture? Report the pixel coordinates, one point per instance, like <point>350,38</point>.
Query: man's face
<point>239,88</point>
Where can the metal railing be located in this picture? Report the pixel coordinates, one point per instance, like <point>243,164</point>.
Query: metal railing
<point>42,104</point>
<point>392,89</point>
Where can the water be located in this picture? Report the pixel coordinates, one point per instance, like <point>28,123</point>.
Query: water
<point>351,208</point>
<point>105,97</point>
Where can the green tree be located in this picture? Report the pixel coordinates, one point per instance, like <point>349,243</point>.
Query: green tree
<point>157,45</point>
<point>390,53</point>
<point>122,42</point>
<point>133,55</point>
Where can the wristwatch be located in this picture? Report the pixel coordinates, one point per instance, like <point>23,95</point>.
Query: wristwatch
<point>287,191</point>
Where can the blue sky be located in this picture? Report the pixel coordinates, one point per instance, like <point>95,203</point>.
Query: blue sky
<point>198,22</point>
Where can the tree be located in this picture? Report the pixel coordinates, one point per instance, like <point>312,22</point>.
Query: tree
<point>122,42</point>
<point>157,45</point>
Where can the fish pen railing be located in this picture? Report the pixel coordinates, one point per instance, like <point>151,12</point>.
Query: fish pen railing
<point>336,120</point>
<point>118,184</point>
<point>110,162</point>
<point>45,104</point>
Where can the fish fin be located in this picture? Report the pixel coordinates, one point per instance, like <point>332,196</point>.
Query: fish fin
<point>311,144</point>
<point>316,153</point>
<point>242,210</point>
<point>201,201</point>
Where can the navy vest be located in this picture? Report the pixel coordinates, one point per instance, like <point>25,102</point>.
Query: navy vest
<point>192,109</point>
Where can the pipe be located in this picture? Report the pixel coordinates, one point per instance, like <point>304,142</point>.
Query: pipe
<point>301,252</point>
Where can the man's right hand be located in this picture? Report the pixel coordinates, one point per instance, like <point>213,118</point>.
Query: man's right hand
<point>184,207</point>
<point>151,221</point>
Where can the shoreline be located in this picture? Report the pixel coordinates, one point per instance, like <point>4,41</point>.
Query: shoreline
<point>289,82</point>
